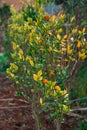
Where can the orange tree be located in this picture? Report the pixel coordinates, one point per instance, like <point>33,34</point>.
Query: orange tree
<point>43,51</point>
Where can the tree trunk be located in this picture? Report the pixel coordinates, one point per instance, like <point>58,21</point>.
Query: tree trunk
<point>57,124</point>
<point>35,115</point>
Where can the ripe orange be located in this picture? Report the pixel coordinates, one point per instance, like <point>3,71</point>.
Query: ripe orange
<point>57,88</point>
<point>44,81</point>
<point>51,73</point>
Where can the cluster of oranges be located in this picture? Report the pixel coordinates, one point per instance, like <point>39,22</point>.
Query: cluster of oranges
<point>57,88</point>
<point>45,81</point>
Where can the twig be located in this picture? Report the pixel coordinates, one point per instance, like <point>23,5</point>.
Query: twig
<point>77,116</point>
<point>7,99</point>
<point>79,99</point>
<point>74,67</point>
<point>11,99</point>
<point>79,109</point>
<point>15,107</point>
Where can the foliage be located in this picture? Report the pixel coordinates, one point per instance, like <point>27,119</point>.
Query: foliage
<point>4,62</point>
<point>77,8</point>
<point>29,11</point>
<point>60,1</point>
<point>78,86</point>
<point>4,17</point>
<point>82,126</point>
<point>4,14</point>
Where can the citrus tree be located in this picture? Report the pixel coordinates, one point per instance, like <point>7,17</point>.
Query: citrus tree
<point>44,55</point>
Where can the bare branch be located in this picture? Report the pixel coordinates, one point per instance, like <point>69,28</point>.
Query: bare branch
<point>79,109</point>
<point>78,99</point>
<point>11,99</point>
<point>77,116</point>
<point>15,107</point>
